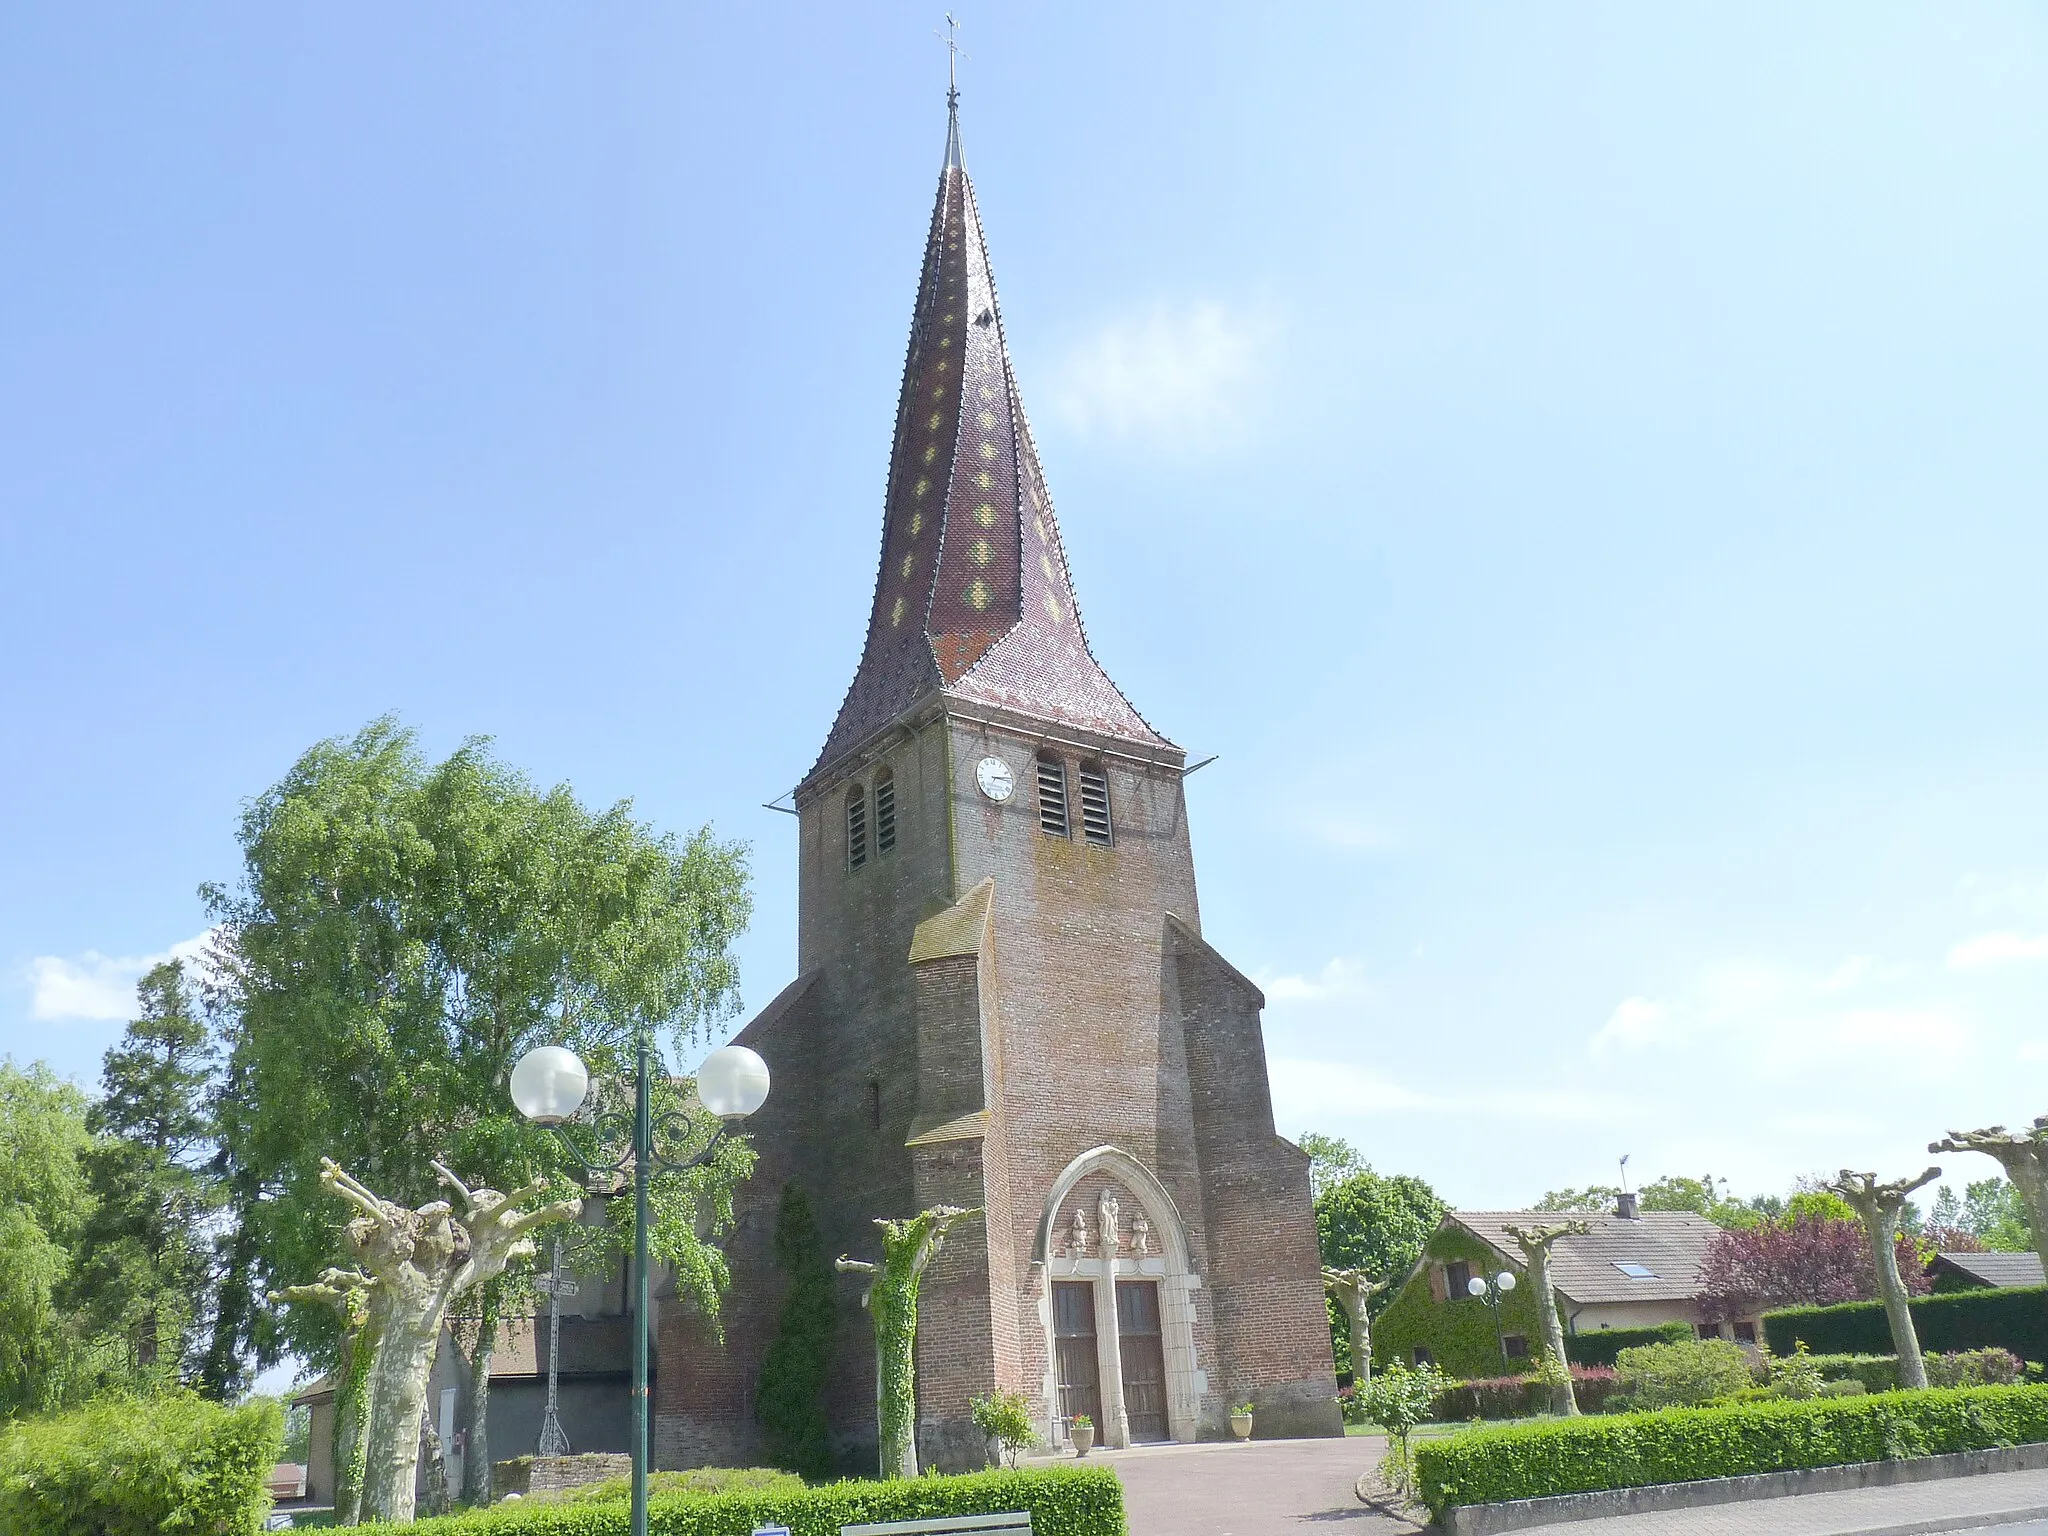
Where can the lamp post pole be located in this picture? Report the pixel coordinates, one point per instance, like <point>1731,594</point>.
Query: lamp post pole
<point>1491,1292</point>
<point>549,1085</point>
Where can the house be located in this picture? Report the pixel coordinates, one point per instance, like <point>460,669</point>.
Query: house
<point>1984,1271</point>
<point>1635,1269</point>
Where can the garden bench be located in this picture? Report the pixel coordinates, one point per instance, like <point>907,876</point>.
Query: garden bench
<point>1016,1524</point>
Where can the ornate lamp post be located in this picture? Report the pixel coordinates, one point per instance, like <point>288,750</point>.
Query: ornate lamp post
<point>549,1085</point>
<point>1492,1293</point>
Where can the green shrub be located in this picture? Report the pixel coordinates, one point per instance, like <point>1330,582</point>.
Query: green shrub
<point>173,1465</point>
<point>1683,1375</point>
<point>1992,1367</point>
<point>1878,1373</point>
<point>698,1481</point>
<point>1681,1445</point>
<point>1005,1417</point>
<point>2014,1319</point>
<point>1601,1348</point>
<point>1063,1501</point>
<point>1847,1387</point>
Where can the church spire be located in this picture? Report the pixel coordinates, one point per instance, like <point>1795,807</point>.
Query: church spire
<point>973,600</point>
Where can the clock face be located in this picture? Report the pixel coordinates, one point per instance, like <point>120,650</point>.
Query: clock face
<point>995,778</point>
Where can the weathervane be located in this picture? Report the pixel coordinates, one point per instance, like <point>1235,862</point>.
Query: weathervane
<point>951,38</point>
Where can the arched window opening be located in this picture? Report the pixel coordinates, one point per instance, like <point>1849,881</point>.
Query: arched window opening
<point>856,827</point>
<point>1095,804</point>
<point>1052,796</point>
<point>885,810</point>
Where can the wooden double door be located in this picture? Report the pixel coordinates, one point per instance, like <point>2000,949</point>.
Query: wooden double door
<point>1141,1345</point>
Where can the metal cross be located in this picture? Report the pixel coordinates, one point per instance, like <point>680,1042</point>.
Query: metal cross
<point>553,1441</point>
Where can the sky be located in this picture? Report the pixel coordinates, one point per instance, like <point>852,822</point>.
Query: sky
<point>1578,466</point>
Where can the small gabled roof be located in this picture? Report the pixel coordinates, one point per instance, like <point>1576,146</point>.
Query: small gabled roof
<point>2000,1270</point>
<point>1669,1246</point>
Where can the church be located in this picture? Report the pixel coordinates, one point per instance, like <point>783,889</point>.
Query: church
<point>1003,998</point>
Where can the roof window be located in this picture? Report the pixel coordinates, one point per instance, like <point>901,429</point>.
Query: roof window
<point>1636,1271</point>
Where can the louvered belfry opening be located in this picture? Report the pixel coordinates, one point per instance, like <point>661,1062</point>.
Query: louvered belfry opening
<point>1052,796</point>
<point>856,828</point>
<point>885,810</point>
<point>1095,804</point>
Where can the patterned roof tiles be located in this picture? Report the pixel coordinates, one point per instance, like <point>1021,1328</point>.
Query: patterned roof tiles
<point>973,599</point>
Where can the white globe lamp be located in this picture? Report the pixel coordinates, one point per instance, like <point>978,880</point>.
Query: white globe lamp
<point>1476,1285</point>
<point>733,1082</point>
<point>549,1084</point>
<point>1504,1280</point>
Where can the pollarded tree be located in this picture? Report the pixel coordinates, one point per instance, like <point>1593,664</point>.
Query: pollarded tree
<point>347,1293</point>
<point>2024,1156</point>
<point>1536,1243</point>
<point>1353,1290</point>
<point>1368,1224</point>
<point>1879,1207</point>
<point>402,933</point>
<point>891,1298</point>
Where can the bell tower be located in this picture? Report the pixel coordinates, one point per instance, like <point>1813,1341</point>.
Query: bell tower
<point>1003,999</point>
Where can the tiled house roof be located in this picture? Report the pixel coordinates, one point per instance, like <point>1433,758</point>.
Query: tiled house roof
<point>1669,1245</point>
<point>973,599</point>
<point>1995,1269</point>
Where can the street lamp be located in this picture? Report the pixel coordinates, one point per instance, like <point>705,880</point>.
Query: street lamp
<point>549,1085</point>
<point>1491,1294</point>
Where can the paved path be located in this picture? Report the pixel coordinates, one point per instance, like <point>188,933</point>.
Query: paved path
<point>1998,1499</point>
<point>1261,1488</point>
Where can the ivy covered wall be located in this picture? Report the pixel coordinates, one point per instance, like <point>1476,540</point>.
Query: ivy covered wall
<point>1459,1332</point>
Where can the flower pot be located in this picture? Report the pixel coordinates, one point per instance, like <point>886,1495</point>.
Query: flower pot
<point>1241,1425</point>
<point>1084,1439</point>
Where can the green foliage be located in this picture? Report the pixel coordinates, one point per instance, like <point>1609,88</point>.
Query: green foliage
<point>1675,1192</point>
<point>1990,1210</point>
<point>1795,1377</point>
<point>144,1266</point>
<point>1397,1399</point>
<point>402,932</point>
<point>1530,1461</point>
<point>1992,1367</point>
<point>698,1482</point>
<point>44,1204</point>
<point>1459,1333</point>
<point>1876,1373</point>
<point>1062,1501</point>
<point>1364,1220</point>
<point>1818,1205</point>
<point>2014,1319</point>
<point>1683,1375</point>
<point>1005,1417</point>
<point>1601,1347</point>
<point>791,1399</point>
<point>171,1465</point>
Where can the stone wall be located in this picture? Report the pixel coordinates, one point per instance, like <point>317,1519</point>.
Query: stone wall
<point>528,1475</point>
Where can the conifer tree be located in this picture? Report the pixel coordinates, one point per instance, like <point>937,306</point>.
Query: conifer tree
<point>792,1391</point>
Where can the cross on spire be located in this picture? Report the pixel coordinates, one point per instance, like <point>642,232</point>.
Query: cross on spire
<point>951,38</point>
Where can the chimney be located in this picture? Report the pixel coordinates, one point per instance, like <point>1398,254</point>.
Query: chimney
<point>1625,1206</point>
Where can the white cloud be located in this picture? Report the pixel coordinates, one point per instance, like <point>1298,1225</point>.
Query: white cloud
<point>1306,1091</point>
<point>97,986</point>
<point>1178,374</point>
<point>1996,949</point>
<point>1635,1023</point>
<point>1340,978</point>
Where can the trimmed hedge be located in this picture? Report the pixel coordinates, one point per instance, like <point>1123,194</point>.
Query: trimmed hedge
<point>1601,1348</point>
<point>1519,1397</point>
<point>2014,1319</point>
<point>1063,1501</point>
<point>1877,1373</point>
<point>174,1465</point>
<point>1683,1445</point>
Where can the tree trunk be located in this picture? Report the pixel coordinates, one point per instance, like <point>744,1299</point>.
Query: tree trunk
<point>2030,1178</point>
<point>1353,1304</point>
<point>476,1454</point>
<point>1562,1399</point>
<point>1905,1338</point>
<point>352,1419</point>
<point>398,1396</point>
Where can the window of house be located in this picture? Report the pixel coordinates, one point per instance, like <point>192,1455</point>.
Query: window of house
<point>1422,1355</point>
<point>1052,796</point>
<point>1745,1333</point>
<point>1457,1280</point>
<point>1095,804</point>
<point>1636,1271</point>
<point>885,810</point>
<point>1516,1346</point>
<point>856,827</point>
<point>1706,1330</point>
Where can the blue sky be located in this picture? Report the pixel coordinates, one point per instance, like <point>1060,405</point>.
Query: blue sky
<point>1580,466</point>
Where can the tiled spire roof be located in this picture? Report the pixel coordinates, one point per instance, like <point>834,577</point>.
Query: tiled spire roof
<point>973,599</point>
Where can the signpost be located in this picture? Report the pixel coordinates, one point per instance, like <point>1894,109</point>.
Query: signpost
<point>553,1441</point>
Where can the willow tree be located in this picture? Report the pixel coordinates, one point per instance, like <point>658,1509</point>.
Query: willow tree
<point>402,932</point>
<point>1879,1207</point>
<point>1536,1243</point>
<point>2024,1156</point>
<point>908,1247</point>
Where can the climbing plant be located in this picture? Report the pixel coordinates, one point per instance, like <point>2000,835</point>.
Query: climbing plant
<point>792,1393</point>
<point>891,1298</point>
